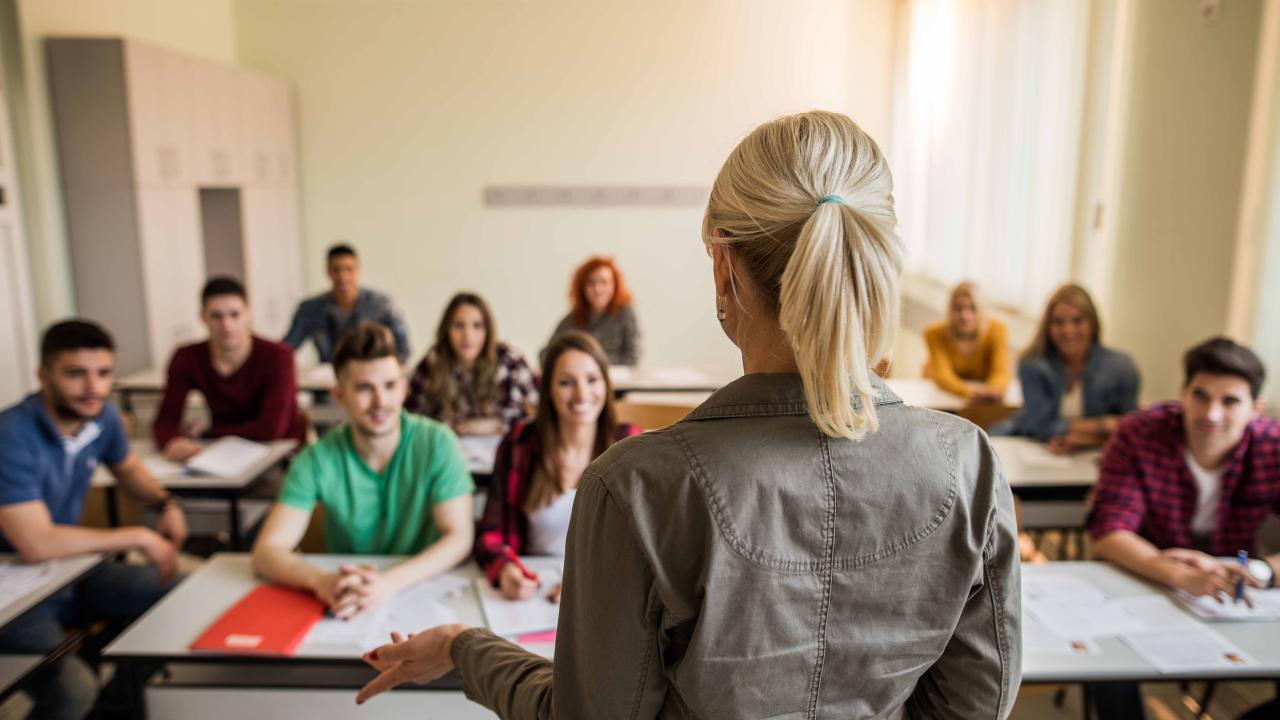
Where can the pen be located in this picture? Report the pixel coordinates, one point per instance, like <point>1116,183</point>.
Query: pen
<point>1243,557</point>
<point>511,555</point>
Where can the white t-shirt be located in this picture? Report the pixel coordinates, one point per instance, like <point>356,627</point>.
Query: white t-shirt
<point>549,525</point>
<point>1072,406</point>
<point>1208,492</point>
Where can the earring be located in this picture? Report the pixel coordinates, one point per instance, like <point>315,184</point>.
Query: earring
<point>720,313</point>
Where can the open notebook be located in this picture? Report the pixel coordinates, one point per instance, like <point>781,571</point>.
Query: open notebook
<point>228,457</point>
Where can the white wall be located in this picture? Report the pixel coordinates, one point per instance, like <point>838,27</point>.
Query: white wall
<point>407,110</point>
<point>1183,170</point>
<point>198,27</point>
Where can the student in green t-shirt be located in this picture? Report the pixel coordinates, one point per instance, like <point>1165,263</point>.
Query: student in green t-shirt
<point>391,483</point>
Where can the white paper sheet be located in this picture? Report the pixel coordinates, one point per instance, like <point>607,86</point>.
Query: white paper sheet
<point>1266,606</point>
<point>1036,638</point>
<point>412,610</point>
<point>1194,648</point>
<point>479,450</point>
<point>228,457</point>
<point>517,617</point>
<point>1060,587</point>
<point>17,581</point>
<point>161,468</point>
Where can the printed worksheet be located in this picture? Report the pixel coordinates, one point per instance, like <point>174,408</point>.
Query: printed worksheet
<point>413,610</point>
<point>17,581</point>
<point>1265,606</point>
<point>1193,648</point>
<point>1036,638</point>
<point>519,617</point>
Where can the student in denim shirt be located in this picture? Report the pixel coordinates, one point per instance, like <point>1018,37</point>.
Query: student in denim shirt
<point>1074,389</point>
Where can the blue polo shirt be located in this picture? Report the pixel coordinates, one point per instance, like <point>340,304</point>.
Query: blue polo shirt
<point>37,462</point>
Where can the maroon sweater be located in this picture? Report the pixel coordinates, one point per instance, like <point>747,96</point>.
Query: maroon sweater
<point>259,401</point>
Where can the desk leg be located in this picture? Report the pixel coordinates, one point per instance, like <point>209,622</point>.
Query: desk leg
<point>113,507</point>
<point>135,681</point>
<point>237,542</point>
<point>126,401</point>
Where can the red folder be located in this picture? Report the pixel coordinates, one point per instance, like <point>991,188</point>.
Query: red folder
<point>271,620</point>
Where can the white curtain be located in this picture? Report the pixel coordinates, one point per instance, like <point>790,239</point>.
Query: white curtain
<point>987,120</point>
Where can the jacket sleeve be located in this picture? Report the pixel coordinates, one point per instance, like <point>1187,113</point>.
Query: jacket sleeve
<point>1000,372</point>
<point>1039,417</point>
<point>490,531</point>
<point>608,659</point>
<point>980,669</point>
<point>416,400</point>
<point>1118,500</point>
<point>630,354</point>
<point>168,422</point>
<point>941,367</point>
<point>1129,383</point>
<point>298,329</point>
<point>394,320</point>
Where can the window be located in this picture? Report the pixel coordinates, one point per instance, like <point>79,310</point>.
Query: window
<point>987,123</point>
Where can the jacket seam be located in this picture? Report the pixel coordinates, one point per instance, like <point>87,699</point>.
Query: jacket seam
<point>651,612</point>
<point>828,551</point>
<point>768,560</point>
<point>1002,640</point>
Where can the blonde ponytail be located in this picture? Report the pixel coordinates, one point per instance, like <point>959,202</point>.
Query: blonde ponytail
<point>828,268</point>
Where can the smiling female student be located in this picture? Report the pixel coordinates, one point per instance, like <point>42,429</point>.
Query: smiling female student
<point>602,307</point>
<point>468,379</point>
<point>969,351</point>
<point>1075,389</point>
<point>539,465</point>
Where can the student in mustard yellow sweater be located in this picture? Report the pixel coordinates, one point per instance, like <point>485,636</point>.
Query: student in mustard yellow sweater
<point>968,352</point>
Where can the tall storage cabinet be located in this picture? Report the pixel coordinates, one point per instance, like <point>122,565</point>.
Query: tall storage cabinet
<point>146,137</point>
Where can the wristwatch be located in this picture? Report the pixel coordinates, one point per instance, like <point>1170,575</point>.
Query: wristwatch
<point>1262,571</point>
<point>164,502</point>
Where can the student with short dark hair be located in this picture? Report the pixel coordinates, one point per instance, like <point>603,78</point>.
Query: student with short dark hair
<point>326,318</point>
<point>247,381</point>
<point>390,482</point>
<point>469,379</point>
<point>1075,390</point>
<point>50,445</point>
<point>1185,486</point>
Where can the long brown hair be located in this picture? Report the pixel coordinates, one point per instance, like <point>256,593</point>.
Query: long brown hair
<point>441,383</point>
<point>546,483</point>
<point>1070,294</point>
<point>581,309</point>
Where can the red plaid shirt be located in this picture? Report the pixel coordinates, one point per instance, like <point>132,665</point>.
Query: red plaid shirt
<point>504,521</point>
<point>1146,488</point>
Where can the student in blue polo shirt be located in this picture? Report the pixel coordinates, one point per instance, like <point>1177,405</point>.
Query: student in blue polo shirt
<point>50,444</point>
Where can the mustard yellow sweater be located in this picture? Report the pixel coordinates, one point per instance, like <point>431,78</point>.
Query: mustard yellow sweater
<point>987,364</point>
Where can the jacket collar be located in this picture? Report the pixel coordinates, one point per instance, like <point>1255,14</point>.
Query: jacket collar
<point>772,394</point>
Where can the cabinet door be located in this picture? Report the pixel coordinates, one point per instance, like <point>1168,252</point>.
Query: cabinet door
<point>152,118</point>
<point>173,268</point>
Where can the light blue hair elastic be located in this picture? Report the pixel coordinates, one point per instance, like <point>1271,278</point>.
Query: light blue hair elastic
<point>831,198</point>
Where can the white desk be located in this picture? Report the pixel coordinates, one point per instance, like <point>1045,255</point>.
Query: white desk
<point>1117,661</point>
<point>191,484</point>
<point>164,633</point>
<point>662,379</point>
<point>1052,488</point>
<point>14,669</point>
<point>479,452</point>
<point>922,392</point>
<point>62,572</point>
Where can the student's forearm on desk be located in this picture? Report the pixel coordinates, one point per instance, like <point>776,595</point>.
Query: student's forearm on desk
<point>444,554</point>
<point>1132,553</point>
<point>61,541</point>
<point>282,565</point>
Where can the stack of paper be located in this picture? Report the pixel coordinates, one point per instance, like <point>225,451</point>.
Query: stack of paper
<point>228,457</point>
<point>520,617</point>
<point>412,610</point>
<point>17,581</point>
<point>1265,606</point>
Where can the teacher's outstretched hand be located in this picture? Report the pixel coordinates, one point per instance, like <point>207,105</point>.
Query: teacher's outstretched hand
<point>417,658</point>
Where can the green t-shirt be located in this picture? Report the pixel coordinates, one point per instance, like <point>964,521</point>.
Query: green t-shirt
<point>387,513</point>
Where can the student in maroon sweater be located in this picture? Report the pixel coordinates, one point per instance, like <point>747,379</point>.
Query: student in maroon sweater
<point>248,382</point>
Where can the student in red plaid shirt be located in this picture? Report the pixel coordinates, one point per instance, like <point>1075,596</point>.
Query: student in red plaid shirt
<point>1185,485</point>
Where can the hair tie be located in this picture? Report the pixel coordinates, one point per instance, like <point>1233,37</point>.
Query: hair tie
<point>830,198</point>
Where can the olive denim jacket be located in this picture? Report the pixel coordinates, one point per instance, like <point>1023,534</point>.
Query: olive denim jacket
<point>741,564</point>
